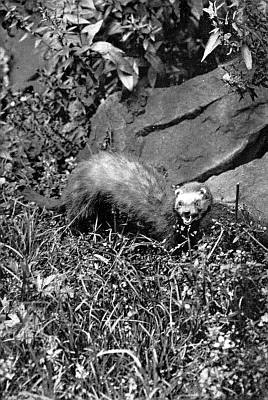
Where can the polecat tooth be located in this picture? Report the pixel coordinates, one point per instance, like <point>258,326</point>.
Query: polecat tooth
<point>134,188</point>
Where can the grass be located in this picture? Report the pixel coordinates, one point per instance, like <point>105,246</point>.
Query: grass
<point>110,316</point>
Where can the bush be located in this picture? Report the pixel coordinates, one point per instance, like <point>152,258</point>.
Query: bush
<point>95,47</point>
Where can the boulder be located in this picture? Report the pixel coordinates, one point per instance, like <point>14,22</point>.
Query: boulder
<point>192,131</point>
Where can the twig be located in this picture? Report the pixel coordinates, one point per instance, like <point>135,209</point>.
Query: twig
<point>216,244</point>
<point>255,240</point>
<point>12,249</point>
<point>114,218</point>
<point>73,220</point>
<point>236,201</point>
<point>204,282</point>
<point>11,273</point>
<point>189,243</point>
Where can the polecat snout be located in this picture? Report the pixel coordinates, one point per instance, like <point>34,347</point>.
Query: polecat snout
<point>135,189</point>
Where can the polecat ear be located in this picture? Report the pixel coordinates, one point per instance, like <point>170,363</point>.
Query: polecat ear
<point>176,188</point>
<point>205,192</point>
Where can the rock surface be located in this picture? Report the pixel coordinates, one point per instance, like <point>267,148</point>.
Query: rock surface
<point>194,130</point>
<point>25,60</point>
<point>253,187</point>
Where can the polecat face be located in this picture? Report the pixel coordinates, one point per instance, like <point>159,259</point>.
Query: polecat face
<point>192,201</point>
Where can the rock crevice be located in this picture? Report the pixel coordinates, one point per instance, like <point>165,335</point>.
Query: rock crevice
<point>253,149</point>
<point>187,116</point>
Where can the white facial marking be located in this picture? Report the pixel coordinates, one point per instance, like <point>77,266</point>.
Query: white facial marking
<point>191,205</point>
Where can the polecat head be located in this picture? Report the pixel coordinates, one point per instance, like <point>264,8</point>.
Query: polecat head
<point>192,201</point>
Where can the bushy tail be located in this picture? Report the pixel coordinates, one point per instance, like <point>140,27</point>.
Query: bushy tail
<point>42,201</point>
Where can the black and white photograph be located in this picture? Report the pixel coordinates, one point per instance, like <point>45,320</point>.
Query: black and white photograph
<point>133,200</point>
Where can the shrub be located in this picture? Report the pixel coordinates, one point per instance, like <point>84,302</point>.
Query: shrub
<point>240,27</point>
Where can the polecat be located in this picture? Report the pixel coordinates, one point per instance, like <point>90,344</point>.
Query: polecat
<point>135,189</point>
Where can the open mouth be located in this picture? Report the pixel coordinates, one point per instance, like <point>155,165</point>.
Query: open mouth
<point>187,220</point>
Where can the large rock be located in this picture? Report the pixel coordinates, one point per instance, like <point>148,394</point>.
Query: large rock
<point>194,130</point>
<point>253,188</point>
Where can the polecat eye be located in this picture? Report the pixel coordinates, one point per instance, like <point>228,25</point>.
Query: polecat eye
<point>177,192</point>
<point>179,203</point>
<point>197,203</point>
<point>204,192</point>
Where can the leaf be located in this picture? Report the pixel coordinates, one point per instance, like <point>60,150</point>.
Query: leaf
<point>105,48</point>
<point>24,37</point>
<point>47,285</point>
<point>152,76</point>
<point>226,77</point>
<point>6,155</point>
<point>264,318</point>
<point>247,56</point>
<point>51,64</point>
<point>37,42</point>
<point>75,19</point>
<point>76,108</point>
<point>127,68</point>
<point>211,10</point>
<point>213,41</point>
<point>196,8</point>
<point>82,50</point>
<point>128,72</point>
<point>125,64</point>
<point>109,52</point>
<point>87,4</point>
<point>2,181</point>
<point>69,127</point>
<point>263,6</point>
<point>129,81</point>
<point>41,29</point>
<point>92,30</point>
<point>12,321</point>
<point>155,62</point>
<point>115,27</point>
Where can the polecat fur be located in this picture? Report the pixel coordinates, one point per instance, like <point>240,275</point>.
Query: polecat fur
<point>132,187</point>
